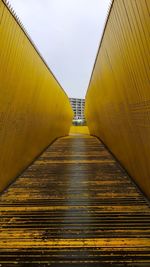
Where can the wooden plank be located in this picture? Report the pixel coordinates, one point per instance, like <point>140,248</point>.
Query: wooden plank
<point>75,206</point>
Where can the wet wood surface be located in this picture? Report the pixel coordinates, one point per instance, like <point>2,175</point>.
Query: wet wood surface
<point>74,206</point>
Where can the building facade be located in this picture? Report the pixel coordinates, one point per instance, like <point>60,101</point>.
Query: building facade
<point>78,105</point>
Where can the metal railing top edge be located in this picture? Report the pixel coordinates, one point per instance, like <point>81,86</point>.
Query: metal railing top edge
<point>17,19</point>
<point>100,43</point>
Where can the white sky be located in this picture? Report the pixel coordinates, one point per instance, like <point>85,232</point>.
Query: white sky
<point>67,34</point>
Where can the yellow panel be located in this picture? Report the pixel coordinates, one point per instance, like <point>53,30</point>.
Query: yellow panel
<point>118,98</point>
<point>34,109</point>
<point>79,130</point>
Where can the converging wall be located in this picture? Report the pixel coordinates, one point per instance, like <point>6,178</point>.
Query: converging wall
<point>118,97</point>
<point>34,109</point>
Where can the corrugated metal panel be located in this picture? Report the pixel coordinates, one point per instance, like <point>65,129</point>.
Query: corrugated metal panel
<point>34,109</point>
<point>118,98</point>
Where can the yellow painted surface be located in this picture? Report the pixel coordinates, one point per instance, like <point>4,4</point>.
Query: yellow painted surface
<point>76,243</point>
<point>34,109</point>
<point>118,97</point>
<point>84,207</point>
<point>79,130</point>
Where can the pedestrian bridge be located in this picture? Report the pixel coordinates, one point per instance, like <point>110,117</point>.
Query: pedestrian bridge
<point>78,199</point>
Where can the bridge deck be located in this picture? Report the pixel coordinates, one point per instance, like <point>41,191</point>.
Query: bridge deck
<point>75,206</point>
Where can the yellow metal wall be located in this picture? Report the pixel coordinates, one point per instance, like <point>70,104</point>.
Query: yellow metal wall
<point>34,110</point>
<point>118,97</point>
<point>79,130</point>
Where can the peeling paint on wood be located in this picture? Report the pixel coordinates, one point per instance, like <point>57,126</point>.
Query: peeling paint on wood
<point>75,206</point>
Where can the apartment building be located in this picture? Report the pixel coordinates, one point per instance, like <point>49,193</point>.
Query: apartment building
<point>78,105</point>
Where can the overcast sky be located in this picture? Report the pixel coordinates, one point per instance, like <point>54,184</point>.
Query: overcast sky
<point>67,33</point>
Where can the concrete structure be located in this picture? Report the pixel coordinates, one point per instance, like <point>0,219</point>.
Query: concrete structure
<point>78,105</point>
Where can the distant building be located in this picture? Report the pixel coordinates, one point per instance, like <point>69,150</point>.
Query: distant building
<point>78,105</point>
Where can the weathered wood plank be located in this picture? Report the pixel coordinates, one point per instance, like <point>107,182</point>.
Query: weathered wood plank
<point>75,206</point>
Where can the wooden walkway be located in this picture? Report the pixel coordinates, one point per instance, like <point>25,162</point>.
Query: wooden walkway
<point>74,207</point>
